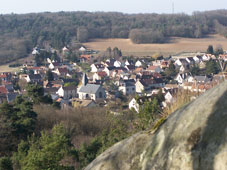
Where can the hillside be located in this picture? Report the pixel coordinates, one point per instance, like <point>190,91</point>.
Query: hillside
<point>192,138</point>
<point>20,33</point>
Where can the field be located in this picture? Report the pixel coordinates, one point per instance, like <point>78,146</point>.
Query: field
<point>175,46</point>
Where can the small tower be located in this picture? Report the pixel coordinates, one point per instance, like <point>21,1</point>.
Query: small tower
<point>84,79</point>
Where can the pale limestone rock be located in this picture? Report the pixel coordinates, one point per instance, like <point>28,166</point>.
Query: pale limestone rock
<point>192,138</point>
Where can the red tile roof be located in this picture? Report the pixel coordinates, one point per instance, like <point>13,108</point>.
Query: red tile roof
<point>3,90</point>
<point>102,74</point>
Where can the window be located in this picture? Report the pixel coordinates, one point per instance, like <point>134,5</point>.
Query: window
<point>100,94</point>
<point>133,88</point>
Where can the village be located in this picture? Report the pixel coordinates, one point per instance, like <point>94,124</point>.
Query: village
<point>115,81</point>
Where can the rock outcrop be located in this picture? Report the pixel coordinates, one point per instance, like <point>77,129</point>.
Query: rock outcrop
<point>192,138</point>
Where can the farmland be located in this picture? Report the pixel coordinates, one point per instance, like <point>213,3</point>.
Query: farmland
<point>175,46</point>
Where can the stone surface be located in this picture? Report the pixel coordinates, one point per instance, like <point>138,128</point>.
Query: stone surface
<point>192,138</point>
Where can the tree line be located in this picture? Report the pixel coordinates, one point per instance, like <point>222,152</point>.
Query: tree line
<point>22,32</point>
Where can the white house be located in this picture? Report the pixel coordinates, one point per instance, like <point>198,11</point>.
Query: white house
<point>206,57</point>
<point>99,76</point>
<point>96,67</point>
<point>134,105</point>
<point>118,64</point>
<point>33,78</point>
<point>109,70</point>
<point>53,66</point>
<point>127,87</point>
<point>91,91</point>
<point>82,49</point>
<point>181,77</point>
<point>129,62</point>
<point>197,59</point>
<point>180,62</point>
<point>138,63</point>
<point>168,97</point>
<point>67,92</point>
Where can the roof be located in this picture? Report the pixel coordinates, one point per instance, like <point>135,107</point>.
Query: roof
<point>11,96</point>
<point>152,67</point>
<point>35,76</point>
<point>90,88</point>
<point>62,70</point>
<point>102,74</point>
<point>3,90</point>
<point>71,87</point>
<point>201,78</point>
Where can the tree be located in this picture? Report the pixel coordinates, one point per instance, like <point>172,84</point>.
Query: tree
<point>49,76</point>
<point>17,121</point>
<point>35,92</point>
<point>211,67</point>
<point>6,163</point>
<point>210,49</point>
<point>82,34</point>
<point>147,113</point>
<point>218,51</point>
<point>45,152</point>
<point>194,70</point>
<point>171,70</point>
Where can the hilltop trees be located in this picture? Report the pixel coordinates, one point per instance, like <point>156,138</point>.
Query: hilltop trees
<point>17,121</point>
<point>210,49</point>
<point>45,152</point>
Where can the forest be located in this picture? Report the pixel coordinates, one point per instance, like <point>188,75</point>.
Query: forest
<point>20,33</point>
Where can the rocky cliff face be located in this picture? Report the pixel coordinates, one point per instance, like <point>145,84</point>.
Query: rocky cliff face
<point>192,138</point>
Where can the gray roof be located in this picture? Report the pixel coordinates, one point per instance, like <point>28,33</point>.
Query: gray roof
<point>90,88</point>
<point>11,96</point>
<point>201,78</point>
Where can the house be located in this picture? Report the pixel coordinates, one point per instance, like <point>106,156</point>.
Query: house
<point>154,69</point>
<point>97,67</point>
<point>90,91</point>
<point>138,70</point>
<point>206,57</point>
<point>133,104</point>
<point>181,77</point>
<point>82,49</point>
<point>183,68</point>
<point>190,60</point>
<point>11,96</point>
<point>83,103</point>
<point>118,64</point>
<point>65,50</point>
<point>130,68</point>
<point>201,79</point>
<point>36,51</point>
<point>168,97</point>
<point>3,90</point>
<point>67,92</point>
<point>129,62</point>
<point>5,76</point>
<point>34,78</point>
<point>143,85</point>
<point>54,65</point>
<point>223,57</point>
<point>85,58</point>
<point>127,87</point>
<point>180,62</point>
<point>61,71</point>
<point>109,70</point>
<point>139,63</point>
<point>164,64</point>
<point>197,59</point>
<point>99,76</point>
